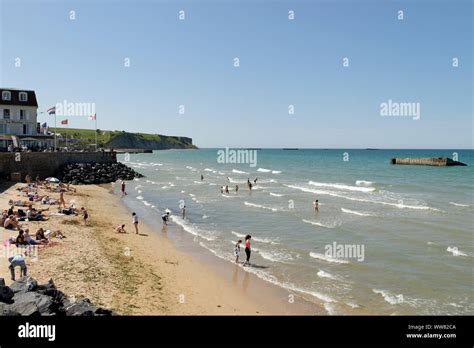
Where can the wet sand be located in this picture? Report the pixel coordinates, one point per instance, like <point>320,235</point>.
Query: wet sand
<point>142,274</point>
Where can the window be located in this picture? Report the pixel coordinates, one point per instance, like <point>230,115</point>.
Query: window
<point>25,129</point>
<point>22,114</point>
<point>3,128</point>
<point>6,95</point>
<point>6,114</point>
<point>23,96</point>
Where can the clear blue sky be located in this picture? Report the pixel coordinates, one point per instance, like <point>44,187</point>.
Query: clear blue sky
<point>282,62</point>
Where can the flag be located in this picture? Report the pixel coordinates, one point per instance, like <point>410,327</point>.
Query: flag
<point>52,111</point>
<point>64,121</point>
<point>92,117</point>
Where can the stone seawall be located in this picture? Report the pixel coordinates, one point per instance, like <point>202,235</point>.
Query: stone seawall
<point>15,166</point>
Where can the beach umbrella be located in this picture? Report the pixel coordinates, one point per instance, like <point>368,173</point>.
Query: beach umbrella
<point>53,180</point>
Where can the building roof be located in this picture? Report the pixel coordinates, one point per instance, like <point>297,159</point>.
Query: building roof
<point>15,97</point>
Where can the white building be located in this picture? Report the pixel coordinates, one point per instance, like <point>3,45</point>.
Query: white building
<point>18,119</point>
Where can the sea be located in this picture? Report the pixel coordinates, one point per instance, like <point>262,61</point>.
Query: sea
<point>388,239</point>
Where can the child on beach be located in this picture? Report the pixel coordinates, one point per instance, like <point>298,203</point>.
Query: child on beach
<point>85,215</point>
<point>135,222</point>
<point>237,250</point>
<point>120,228</point>
<point>165,218</point>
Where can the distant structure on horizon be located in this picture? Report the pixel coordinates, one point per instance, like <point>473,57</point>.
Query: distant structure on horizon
<point>18,120</point>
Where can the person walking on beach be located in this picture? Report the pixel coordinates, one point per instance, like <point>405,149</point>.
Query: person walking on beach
<point>237,250</point>
<point>247,249</point>
<point>124,193</point>
<point>316,205</point>
<point>135,221</point>
<point>165,218</point>
<point>85,215</point>
<point>183,211</point>
<point>61,199</point>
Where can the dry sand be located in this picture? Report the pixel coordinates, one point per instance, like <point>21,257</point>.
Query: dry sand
<point>132,274</point>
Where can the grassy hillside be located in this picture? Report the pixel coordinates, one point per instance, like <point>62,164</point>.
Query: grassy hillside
<point>107,138</point>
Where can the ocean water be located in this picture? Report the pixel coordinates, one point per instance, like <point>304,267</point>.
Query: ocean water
<point>415,223</point>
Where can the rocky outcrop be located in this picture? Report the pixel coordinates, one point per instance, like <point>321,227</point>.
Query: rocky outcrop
<point>96,173</point>
<point>149,142</point>
<point>26,297</point>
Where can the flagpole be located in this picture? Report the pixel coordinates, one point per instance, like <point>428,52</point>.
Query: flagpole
<point>95,115</point>
<point>67,127</point>
<point>55,130</point>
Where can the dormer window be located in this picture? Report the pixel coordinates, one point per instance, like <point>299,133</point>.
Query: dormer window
<point>6,95</point>
<point>23,97</point>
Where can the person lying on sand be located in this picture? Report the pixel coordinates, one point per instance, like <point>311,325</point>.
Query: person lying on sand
<point>120,228</point>
<point>35,215</point>
<point>32,241</point>
<point>52,234</point>
<point>19,203</point>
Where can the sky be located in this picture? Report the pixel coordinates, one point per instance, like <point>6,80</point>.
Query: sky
<point>282,62</point>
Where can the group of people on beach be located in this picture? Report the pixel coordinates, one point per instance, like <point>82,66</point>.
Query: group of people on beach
<point>247,250</point>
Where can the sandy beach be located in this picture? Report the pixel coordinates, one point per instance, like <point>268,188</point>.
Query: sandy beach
<point>140,274</point>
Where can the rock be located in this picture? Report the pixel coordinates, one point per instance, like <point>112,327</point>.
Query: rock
<point>24,284</point>
<point>33,303</point>
<point>97,173</point>
<point>27,297</point>
<point>84,307</point>
<point>6,294</point>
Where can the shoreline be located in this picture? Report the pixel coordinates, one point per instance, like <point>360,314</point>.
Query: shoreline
<point>143,274</point>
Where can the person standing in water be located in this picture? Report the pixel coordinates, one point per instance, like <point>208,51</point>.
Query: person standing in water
<point>202,177</point>
<point>183,211</point>
<point>316,205</point>
<point>255,181</point>
<point>227,189</point>
<point>237,250</point>
<point>165,218</point>
<point>247,249</point>
<point>236,188</point>
<point>123,189</point>
<point>135,221</point>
